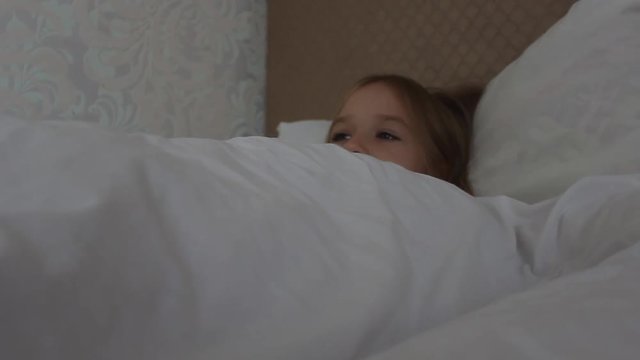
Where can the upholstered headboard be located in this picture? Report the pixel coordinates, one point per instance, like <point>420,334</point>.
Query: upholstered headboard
<point>317,49</point>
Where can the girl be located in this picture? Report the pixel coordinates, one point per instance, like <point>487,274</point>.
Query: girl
<point>393,118</point>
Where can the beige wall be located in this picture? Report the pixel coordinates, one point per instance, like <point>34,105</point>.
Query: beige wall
<point>316,49</point>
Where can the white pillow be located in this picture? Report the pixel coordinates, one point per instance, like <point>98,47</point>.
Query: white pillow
<point>567,108</point>
<point>304,131</point>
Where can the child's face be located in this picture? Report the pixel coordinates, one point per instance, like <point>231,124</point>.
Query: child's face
<point>374,121</point>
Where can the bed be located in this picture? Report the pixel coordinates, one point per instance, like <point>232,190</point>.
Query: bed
<point>133,246</point>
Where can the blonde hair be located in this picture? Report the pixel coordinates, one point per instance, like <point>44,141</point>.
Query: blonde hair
<point>445,116</point>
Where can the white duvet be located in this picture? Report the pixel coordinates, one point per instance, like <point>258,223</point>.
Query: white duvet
<point>135,247</point>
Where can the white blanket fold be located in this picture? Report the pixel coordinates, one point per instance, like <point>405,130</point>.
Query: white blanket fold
<point>136,247</point>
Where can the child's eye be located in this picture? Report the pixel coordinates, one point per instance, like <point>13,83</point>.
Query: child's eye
<point>340,137</point>
<point>387,136</point>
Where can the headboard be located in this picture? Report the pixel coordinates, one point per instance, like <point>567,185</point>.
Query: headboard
<point>317,49</point>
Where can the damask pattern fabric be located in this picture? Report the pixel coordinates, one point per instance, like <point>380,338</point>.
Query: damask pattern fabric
<point>167,67</point>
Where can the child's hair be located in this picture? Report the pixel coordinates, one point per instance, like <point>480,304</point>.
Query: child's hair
<point>446,117</point>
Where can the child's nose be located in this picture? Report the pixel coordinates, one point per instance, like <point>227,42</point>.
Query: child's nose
<point>355,146</point>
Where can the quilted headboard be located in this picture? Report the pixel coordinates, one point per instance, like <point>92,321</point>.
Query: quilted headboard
<point>317,49</point>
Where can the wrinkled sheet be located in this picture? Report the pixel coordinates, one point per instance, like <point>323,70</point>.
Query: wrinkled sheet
<point>118,246</point>
<point>589,315</point>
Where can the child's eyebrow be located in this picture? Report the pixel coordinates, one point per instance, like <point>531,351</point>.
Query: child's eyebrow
<point>392,118</point>
<point>341,119</point>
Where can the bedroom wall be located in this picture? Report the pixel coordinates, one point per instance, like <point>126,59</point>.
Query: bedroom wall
<point>168,67</point>
<point>317,49</point>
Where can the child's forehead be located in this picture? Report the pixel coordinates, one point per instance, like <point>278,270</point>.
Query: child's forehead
<point>373,118</point>
<point>376,98</point>
<point>379,88</point>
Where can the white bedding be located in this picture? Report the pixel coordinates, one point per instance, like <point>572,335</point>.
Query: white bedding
<point>589,315</point>
<point>135,247</point>
<point>567,108</point>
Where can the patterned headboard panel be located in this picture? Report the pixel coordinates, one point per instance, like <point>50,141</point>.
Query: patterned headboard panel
<point>317,49</point>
